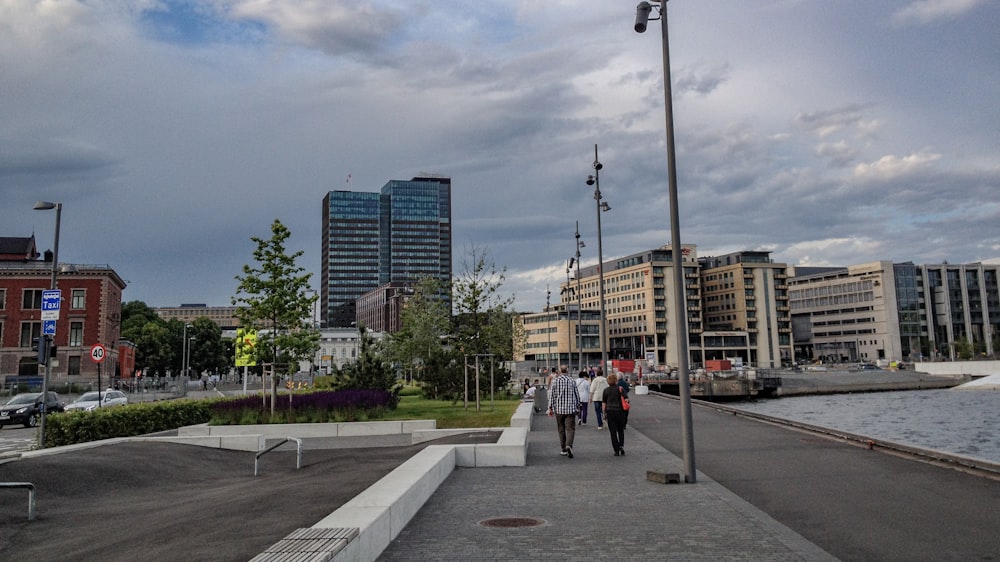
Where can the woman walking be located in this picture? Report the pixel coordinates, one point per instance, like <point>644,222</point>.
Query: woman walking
<point>614,415</point>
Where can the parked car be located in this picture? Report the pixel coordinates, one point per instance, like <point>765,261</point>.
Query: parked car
<point>90,400</point>
<point>25,409</point>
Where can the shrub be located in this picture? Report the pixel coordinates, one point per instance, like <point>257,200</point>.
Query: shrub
<point>315,407</point>
<point>72,427</point>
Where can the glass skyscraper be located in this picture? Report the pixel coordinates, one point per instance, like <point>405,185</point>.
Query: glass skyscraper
<point>371,239</point>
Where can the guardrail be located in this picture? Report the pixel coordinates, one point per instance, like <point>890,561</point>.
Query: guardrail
<point>298,453</point>
<point>31,495</point>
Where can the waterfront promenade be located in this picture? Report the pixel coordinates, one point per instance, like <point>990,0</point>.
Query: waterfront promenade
<point>764,492</point>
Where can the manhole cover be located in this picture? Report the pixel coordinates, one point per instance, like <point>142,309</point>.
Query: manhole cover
<point>512,522</point>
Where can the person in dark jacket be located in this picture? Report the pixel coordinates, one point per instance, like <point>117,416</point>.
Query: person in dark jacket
<point>623,384</point>
<point>614,414</point>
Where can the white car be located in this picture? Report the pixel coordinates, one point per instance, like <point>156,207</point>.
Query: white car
<point>89,400</point>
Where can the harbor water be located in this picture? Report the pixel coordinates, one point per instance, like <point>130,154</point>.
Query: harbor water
<point>960,422</point>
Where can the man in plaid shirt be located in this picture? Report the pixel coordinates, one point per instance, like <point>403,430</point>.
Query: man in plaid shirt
<point>564,401</point>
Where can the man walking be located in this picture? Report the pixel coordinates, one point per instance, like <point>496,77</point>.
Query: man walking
<point>564,400</point>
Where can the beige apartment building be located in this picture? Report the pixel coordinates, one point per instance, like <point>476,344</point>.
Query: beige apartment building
<point>746,311</point>
<point>638,298</point>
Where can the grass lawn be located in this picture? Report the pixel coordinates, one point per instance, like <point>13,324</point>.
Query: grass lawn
<point>454,415</point>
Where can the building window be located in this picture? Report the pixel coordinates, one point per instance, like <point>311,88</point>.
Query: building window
<point>75,334</point>
<point>74,366</point>
<point>30,331</point>
<point>3,299</point>
<point>79,300</point>
<point>32,299</point>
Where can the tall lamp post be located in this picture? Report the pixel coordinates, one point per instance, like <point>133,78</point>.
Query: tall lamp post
<point>642,13</point>
<point>548,329</point>
<point>46,206</point>
<point>184,359</point>
<point>579,301</point>
<point>595,180</point>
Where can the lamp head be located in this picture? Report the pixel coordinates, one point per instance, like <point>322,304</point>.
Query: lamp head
<point>45,205</point>
<point>590,180</point>
<point>605,207</point>
<point>582,245</point>
<point>598,165</point>
<point>642,16</point>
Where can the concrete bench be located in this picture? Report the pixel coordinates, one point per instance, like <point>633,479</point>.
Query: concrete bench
<point>31,495</point>
<point>309,545</point>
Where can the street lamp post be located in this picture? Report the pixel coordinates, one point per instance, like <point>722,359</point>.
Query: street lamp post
<point>548,329</point>
<point>579,301</point>
<point>184,359</point>
<point>46,206</point>
<point>642,13</point>
<point>595,180</point>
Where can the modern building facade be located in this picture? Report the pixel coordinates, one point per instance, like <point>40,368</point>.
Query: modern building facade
<point>89,314</point>
<point>381,309</point>
<point>961,309</point>
<point>638,301</point>
<point>374,239</point>
<point>857,313</point>
<point>224,316</point>
<point>746,310</point>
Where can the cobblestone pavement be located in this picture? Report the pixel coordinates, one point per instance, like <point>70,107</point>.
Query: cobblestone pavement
<point>594,506</point>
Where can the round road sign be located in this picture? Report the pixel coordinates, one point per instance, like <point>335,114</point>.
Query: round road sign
<point>97,353</point>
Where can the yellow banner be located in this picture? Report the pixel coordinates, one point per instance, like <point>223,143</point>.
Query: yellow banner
<point>245,342</point>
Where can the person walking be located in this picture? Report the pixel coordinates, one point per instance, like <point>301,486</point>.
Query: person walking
<point>583,389</point>
<point>597,387</point>
<point>615,415</point>
<point>623,385</point>
<point>564,401</point>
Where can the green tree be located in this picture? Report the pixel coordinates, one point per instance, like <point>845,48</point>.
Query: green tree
<point>272,299</point>
<point>208,352</point>
<point>370,370</point>
<point>425,323</point>
<point>484,319</point>
<point>142,326</point>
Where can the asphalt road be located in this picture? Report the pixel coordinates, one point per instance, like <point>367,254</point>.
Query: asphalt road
<point>855,503</point>
<point>165,502</point>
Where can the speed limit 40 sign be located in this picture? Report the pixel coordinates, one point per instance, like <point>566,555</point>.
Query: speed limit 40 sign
<point>97,353</point>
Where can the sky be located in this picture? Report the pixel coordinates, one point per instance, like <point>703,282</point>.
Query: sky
<point>829,133</point>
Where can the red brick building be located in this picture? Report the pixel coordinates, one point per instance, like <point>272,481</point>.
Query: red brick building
<point>90,313</point>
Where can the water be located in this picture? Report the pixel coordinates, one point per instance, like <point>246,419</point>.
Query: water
<point>959,422</point>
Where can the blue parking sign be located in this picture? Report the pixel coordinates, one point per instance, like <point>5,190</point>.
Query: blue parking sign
<point>48,327</point>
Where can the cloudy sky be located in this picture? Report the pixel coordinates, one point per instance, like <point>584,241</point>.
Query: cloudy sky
<point>828,132</point>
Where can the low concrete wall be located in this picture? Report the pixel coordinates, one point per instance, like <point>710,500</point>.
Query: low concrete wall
<point>348,429</point>
<point>383,510</point>
<point>973,368</point>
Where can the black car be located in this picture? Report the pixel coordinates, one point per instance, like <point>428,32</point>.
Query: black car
<point>25,409</point>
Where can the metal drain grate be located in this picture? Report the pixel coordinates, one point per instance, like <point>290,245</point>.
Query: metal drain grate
<point>512,522</point>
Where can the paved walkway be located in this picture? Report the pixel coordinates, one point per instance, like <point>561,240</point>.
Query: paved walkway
<point>593,507</point>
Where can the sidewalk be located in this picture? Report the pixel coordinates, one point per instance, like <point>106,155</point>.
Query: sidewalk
<point>594,506</point>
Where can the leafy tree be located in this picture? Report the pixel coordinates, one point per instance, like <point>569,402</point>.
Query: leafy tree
<point>443,376</point>
<point>370,370</point>
<point>142,326</point>
<point>272,299</point>
<point>425,322</point>
<point>208,353</point>
<point>484,319</point>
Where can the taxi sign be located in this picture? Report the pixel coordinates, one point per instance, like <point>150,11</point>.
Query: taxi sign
<point>50,304</point>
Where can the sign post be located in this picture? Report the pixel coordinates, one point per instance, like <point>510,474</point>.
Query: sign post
<point>97,354</point>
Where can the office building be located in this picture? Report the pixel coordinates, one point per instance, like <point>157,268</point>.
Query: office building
<point>89,314</point>
<point>375,239</point>
<point>746,310</point>
<point>638,302</point>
